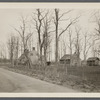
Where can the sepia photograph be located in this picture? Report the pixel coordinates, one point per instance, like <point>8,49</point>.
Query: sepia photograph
<point>49,48</point>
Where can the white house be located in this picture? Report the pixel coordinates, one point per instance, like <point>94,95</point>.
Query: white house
<point>32,55</point>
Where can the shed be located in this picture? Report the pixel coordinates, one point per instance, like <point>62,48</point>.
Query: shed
<point>65,59</point>
<point>71,59</point>
<point>93,61</point>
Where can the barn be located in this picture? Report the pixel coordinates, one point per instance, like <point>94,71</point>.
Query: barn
<point>93,61</point>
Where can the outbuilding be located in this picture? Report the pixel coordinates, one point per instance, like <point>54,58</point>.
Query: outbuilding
<point>93,61</point>
<point>71,59</point>
<point>65,59</point>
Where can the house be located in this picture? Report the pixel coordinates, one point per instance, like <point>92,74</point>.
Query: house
<point>73,60</point>
<point>22,59</point>
<point>65,59</point>
<point>32,55</point>
<point>93,61</point>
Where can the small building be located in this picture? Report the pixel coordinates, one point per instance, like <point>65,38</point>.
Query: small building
<point>93,61</point>
<point>73,60</point>
<point>22,59</point>
<point>32,55</point>
<point>65,59</point>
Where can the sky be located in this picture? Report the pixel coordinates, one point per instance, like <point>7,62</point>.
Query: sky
<point>10,17</point>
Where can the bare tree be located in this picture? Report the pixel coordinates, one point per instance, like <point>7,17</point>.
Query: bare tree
<point>29,44</point>
<point>57,19</point>
<point>11,47</point>
<point>64,47</point>
<point>97,21</point>
<point>24,32</point>
<point>46,36</point>
<point>71,40</point>
<point>40,16</point>
<point>96,37</point>
<point>17,45</point>
<point>87,45</point>
<point>78,45</point>
<point>16,50</point>
<point>95,47</point>
<point>3,52</point>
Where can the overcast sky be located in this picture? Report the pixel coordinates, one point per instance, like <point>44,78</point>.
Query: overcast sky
<point>10,17</point>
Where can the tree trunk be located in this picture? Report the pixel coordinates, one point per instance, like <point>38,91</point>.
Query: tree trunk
<point>56,38</point>
<point>40,53</point>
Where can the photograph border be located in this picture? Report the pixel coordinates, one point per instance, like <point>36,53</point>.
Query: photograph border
<point>44,95</point>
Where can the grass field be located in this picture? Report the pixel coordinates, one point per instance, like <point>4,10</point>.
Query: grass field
<point>85,78</point>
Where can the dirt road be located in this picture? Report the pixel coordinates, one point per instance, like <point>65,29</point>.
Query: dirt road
<point>14,82</point>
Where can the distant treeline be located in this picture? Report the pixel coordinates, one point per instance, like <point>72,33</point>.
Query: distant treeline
<point>4,60</point>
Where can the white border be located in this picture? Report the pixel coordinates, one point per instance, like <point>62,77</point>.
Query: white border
<point>58,95</point>
<point>50,5</point>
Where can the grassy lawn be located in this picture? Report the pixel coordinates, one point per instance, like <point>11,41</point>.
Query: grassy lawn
<point>86,79</point>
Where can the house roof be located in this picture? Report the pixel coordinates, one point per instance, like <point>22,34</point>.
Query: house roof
<point>22,56</point>
<point>66,56</point>
<point>30,53</point>
<point>93,58</point>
